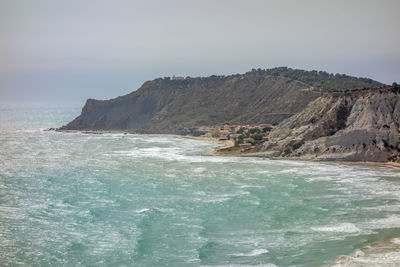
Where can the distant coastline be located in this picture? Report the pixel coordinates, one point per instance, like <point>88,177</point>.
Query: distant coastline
<point>323,123</point>
<point>178,105</point>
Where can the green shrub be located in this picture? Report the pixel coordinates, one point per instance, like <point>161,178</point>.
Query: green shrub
<point>254,131</point>
<point>266,129</point>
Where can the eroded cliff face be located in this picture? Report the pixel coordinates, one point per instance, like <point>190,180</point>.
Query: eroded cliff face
<point>361,125</point>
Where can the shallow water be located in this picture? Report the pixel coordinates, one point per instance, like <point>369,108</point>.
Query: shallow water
<point>118,199</point>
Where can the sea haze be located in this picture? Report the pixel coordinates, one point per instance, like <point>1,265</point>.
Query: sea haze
<point>116,199</point>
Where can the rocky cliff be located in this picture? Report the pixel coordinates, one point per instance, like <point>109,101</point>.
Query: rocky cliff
<point>359,125</point>
<point>175,105</point>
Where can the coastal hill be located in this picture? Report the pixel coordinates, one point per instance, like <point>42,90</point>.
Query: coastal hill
<point>175,105</point>
<point>358,125</point>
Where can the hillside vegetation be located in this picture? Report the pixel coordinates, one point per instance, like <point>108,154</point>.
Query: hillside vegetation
<point>175,105</point>
<point>322,79</point>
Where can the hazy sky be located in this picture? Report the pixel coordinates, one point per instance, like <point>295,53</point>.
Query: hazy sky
<point>66,51</point>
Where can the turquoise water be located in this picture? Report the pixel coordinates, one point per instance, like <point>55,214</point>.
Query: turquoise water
<point>75,199</point>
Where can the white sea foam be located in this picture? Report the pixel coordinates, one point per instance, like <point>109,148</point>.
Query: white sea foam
<point>252,253</point>
<point>78,182</point>
<point>141,210</point>
<point>396,241</point>
<point>215,199</point>
<point>392,221</point>
<point>199,170</point>
<point>251,186</point>
<point>337,228</point>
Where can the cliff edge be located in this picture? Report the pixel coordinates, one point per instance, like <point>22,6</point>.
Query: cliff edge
<point>359,125</point>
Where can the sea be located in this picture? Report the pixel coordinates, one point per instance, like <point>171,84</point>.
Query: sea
<point>119,199</point>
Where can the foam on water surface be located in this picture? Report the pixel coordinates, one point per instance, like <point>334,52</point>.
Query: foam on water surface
<point>340,228</point>
<point>151,200</point>
<point>252,253</point>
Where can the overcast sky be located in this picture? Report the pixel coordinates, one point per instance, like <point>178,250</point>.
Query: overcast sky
<point>62,52</point>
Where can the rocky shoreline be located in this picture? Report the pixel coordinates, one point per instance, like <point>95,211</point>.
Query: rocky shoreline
<point>384,253</point>
<point>359,126</point>
<point>224,151</point>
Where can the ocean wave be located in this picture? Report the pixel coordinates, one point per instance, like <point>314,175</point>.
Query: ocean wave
<point>158,200</point>
<point>142,210</point>
<point>392,221</point>
<point>338,228</point>
<point>252,253</point>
